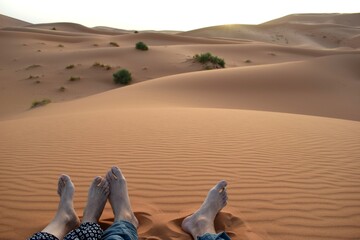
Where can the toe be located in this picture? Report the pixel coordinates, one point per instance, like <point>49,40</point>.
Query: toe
<point>97,181</point>
<point>65,178</point>
<point>221,185</point>
<point>106,183</point>
<point>109,176</point>
<point>116,173</point>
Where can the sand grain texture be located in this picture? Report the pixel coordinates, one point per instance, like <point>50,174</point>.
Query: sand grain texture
<point>283,129</point>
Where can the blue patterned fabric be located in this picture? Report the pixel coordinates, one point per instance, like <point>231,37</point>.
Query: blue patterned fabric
<point>120,230</point>
<point>210,236</point>
<point>42,236</point>
<point>86,231</point>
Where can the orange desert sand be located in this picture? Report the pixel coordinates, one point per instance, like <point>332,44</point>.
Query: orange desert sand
<point>281,123</point>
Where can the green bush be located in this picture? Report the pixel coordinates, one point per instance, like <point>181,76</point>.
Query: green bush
<point>101,65</point>
<point>141,46</point>
<point>40,103</point>
<point>70,66</point>
<point>208,58</point>
<point>73,79</point>
<point>114,44</point>
<point>122,76</point>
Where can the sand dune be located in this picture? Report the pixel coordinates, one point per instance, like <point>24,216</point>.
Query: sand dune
<point>290,176</point>
<point>52,51</point>
<point>345,19</point>
<point>6,21</point>
<point>77,28</point>
<point>280,123</point>
<point>296,87</point>
<point>314,31</point>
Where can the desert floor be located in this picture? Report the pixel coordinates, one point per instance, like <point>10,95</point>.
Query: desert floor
<point>280,123</point>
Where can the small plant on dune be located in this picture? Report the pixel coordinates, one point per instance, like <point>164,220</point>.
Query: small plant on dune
<point>33,66</point>
<point>40,103</point>
<point>97,64</point>
<point>141,46</point>
<point>136,31</point>
<point>95,45</point>
<point>62,89</point>
<point>114,44</point>
<point>60,45</point>
<point>209,61</point>
<point>73,79</point>
<point>70,66</point>
<point>101,65</point>
<point>248,61</point>
<point>33,77</point>
<point>122,76</point>
<point>54,28</point>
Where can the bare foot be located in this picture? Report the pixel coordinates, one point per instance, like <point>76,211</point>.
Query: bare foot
<point>119,197</point>
<point>97,196</point>
<point>202,221</point>
<point>65,219</point>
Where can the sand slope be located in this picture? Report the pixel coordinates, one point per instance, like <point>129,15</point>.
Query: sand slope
<point>280,124</point>
<point>306,30</point>
<point>6,21</point>
<point>290,176</point>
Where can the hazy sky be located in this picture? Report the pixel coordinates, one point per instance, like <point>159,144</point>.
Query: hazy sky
<point>167,15</point>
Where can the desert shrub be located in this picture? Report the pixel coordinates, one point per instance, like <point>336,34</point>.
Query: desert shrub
<point>248,61</point>
<point>101,65</point>
<point>136,31</point>
<point>70,66</point>
<point>141,46</point>
<point>40,103</point>
<point>54,28</point>
<point>33,77</point>
<point>208,58</point>
<point>60,45</point>
<point>122,76</point>
<point>33,66</point>
<point>114,44</point>
<point>73,79</point>
<point>62,89</point>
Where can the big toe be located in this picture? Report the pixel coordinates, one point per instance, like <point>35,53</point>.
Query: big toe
<point>220,185</point>
<point>64,180</point>
<point>116,173</point>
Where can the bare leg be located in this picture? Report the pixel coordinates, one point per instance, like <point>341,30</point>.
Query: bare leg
<point>97,197</point>
<point>202,221</point>
<point>119,197</point>
<point>65,219</point>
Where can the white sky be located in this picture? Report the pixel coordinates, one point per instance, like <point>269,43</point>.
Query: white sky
<point>167,15</point>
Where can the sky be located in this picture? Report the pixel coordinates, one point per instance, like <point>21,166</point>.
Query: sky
<point>167,15</point>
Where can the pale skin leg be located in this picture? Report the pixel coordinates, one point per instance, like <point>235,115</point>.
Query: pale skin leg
<point>65,218</point>
<point>202,220</point>
<point>119,197</point>
<point>97,197</point>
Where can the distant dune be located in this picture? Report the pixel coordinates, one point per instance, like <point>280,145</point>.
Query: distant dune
<point>308,30</point>
<point>345,19</point>
<point>6,21</point>
<point>280,123</point>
